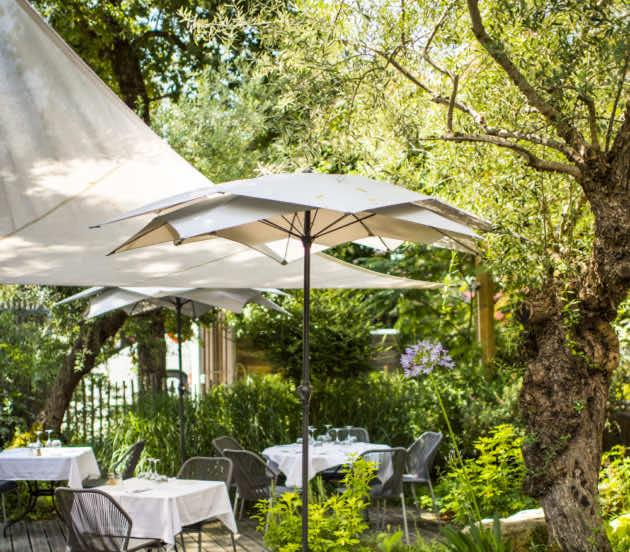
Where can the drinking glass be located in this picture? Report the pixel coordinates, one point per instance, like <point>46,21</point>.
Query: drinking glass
<point>328,426</point>
<point>49,442</point>
<point>39,441</point>
<point>311,431</point>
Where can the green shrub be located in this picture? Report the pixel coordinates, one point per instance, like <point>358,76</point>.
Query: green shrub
<point>618,531</point>
<point>336,522</point>
<point>495,477</point>
<point>614,482</point>
<point>476,538</point>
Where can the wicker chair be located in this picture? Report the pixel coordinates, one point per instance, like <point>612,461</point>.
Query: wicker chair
<point>420,457</point>
<point>206,469</point>
<point>388,481</point>
<point>226,442</point>
<point>127,463</point>
<point>96,523</point>
<point>253,477</point>
<point>342,433</point>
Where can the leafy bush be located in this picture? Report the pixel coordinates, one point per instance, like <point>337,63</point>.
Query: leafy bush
<point>614,482</point>
<point>29,359</point>
<point>335,522</point>
<point>341,345</point>
<point>262,411</point>
<point>495,477</point>
<point>618,531</point>
<point>476,538</point>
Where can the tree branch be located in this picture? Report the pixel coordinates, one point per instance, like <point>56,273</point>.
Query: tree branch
<point>170,37</point>
<point>592,120</point>
<point>531,159</point>
<point>616,102</point>
<point>425,51</point>
<point>449,117</point>
<point>496,50</point>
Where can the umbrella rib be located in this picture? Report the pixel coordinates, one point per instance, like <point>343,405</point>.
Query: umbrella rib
<point>281,228</point>
<point>325,229</point>
<point>471,251</point>
<point>356,220</point>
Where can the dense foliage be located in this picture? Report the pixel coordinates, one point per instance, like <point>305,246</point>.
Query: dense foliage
<point>341,344</point>
<point>336,521</point>
<point>494,475</point>
<point>29,358</point>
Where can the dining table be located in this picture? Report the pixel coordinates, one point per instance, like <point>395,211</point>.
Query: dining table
<point>52,464</point>
<point>160,509</point>
<point>322,456</point>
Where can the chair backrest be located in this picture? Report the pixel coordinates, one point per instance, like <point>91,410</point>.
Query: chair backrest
<point>422,453</point>
<point>360,433</point>
<point>226,442</point>
<point>207,468</point>
<point>129,460</point>
<point>95,521</point>
<point>390,467</point>
<point>251,475</point>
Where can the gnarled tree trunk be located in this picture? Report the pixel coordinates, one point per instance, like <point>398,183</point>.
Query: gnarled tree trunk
<point>572,351</point>
<point>152,353</point>
<point>78,362</point>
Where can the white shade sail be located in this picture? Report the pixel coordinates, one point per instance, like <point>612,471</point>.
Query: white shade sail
<point>72,153</point>
<point>195,302</point>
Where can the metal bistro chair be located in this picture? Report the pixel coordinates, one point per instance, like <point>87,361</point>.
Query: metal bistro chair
<point>127,463</point>
<point>388,481</point>
<point>420,457</point>
<point>7,487</point>
<point>95,522</point>
<point>254,479</point>
<point>206,469</point>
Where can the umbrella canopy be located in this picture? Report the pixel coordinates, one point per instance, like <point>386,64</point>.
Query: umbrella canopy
<point>264,212</point>
<point>192,302</point>
<point>279,211</point>
<point>195,301</point>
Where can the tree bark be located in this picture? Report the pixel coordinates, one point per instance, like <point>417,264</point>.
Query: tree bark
<point>571,351</point>
<point>80,361</point>
<point>152,353</point>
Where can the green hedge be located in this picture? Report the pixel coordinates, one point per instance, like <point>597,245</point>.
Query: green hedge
<point>262,411</point>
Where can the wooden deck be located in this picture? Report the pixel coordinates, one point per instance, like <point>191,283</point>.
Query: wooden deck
<point>48,536</point>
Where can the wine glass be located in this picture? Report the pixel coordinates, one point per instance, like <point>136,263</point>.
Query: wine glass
<point>49,441</point>
<point>328,426</point>
<point>39,443</point>
<point>311,431</point>
<point>152,473</point>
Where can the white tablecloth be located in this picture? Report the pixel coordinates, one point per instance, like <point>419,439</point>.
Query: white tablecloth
<point>160,510</point>
<point>71,464</point>
<point>289,458</point>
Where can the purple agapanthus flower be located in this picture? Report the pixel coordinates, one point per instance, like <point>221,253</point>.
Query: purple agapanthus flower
<point>424,357</point>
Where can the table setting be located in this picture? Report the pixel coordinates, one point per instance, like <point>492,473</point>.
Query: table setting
<point>160,507</point>
<point>326,452</point>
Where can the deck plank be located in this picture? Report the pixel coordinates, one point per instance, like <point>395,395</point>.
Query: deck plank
<point>19,536</point>
<point>55,536</point>
<point>37,537</point>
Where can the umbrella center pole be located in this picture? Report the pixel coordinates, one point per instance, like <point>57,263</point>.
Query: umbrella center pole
<point>304,389</point>
<point>180,387</point>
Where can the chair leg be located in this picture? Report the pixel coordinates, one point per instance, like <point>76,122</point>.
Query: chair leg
<point>415,498</point>
<point>4,511</point>
<point>199,540</point>
<point>233,541</point>
<point>235,507</point>
<point>181,536</point>
<point>435,508</point>
<point>404,513</point>
<point>240,516</point>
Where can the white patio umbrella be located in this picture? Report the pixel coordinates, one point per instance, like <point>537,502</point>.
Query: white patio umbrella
<point>192,302</point>
<point>322,210</point>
